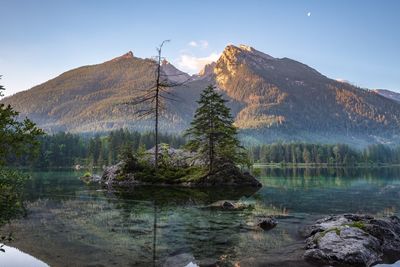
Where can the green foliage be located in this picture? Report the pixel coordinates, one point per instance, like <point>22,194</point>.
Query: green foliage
<point>142,155</point>
<point>170,175</point>
<point>212,134</point>
<point>11,195</point>
<point>256,171</point>
<point>87,175</point>
<point>165,160</point>
<point>357,224</point>
<point>17,138</point>
<point>131,163</point>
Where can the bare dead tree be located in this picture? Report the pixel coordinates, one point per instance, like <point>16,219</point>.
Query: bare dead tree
<point>154,97</point>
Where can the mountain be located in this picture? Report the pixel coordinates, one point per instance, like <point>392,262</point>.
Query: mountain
<point>93,98</point>
<point>388,94</point>
<point>271,99</point>
<point>285,99</point>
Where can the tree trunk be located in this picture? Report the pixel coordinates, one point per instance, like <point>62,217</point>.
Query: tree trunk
<point>157,109</point>
<point>211,141</point>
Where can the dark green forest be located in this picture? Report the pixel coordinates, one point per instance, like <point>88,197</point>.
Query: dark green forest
<point>336,154</point>
<point>67,150</point>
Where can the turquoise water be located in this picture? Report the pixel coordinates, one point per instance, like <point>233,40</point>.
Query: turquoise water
<point>72,224</point>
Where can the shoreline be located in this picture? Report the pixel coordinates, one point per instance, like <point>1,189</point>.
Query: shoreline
<point>256,166</point>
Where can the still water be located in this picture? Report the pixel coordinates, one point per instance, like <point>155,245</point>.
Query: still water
<point>70,223</point>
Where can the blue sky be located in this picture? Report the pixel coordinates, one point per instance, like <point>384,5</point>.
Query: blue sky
<point>357,41</point>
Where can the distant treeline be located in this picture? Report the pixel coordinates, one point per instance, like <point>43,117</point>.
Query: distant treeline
<point>66,149</point>
<point>339,154</point>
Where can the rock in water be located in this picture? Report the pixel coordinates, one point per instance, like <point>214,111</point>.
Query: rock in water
<point>354,240</point>
<point>228,174</point>
<point>267,223</point>
<point>184,260</point>
<point>94,178</point>
<point>228,205</point>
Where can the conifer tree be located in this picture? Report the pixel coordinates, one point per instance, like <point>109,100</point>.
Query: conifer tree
<point>16,137</point>
<point>212,134</point>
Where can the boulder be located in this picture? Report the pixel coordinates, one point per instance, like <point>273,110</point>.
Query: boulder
<point>267,223</point>
<point>228,174</point>
<point>110,174</point>
<point>228,205</point>
<point>353,240</point>
<point>183,259</point>
<point>176,157</point>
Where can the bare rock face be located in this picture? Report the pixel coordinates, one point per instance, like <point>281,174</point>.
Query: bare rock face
<point>176,157</point>
<point>229,174</point>
<point>353,240</point>
<point>110,173</point>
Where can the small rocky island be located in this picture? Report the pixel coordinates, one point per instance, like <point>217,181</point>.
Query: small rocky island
<point>177,167</point>
<point>353,240</point>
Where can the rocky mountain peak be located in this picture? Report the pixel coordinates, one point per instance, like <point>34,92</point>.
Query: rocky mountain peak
<point>208,69</point>
<point>242,50</point>
<point>246,47</point>
<point>128,55</point>
<point>165,62</point>
<point>172,73</point>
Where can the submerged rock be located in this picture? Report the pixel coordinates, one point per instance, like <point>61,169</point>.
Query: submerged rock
<point>183,259</point>
<point>267,223</point>
<point>353,240</point>
<point>88,179</point>
<point>227,205</point>
<point>396,264</point>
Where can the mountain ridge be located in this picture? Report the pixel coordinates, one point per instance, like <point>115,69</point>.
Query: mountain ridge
<point>388,94</point>
<point>271,99</point>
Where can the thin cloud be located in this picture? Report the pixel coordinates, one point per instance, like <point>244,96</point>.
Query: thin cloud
<point>193,64</point>
<point>203,44</point>
<point>193,44</point>
<point>343,80</point>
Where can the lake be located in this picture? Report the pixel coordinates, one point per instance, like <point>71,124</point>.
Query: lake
<point>70,223</point>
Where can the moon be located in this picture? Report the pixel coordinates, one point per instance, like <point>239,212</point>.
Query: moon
<point>309,14</point>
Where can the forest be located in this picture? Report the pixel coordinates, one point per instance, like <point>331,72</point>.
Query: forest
<point>331,154</point>
<point>67,150</point>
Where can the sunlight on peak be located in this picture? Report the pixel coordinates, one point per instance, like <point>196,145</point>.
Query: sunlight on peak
<point>246,47</point>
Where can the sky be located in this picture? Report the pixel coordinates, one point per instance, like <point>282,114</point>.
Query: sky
<point>357,41</point>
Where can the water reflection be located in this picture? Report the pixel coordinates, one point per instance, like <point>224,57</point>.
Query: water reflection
<point>13,257</point>
<point>134,228</point>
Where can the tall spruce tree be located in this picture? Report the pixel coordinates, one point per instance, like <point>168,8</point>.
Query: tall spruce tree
<point>212,134</point>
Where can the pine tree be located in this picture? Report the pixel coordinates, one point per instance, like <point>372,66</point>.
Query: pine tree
<point>212,134</point>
